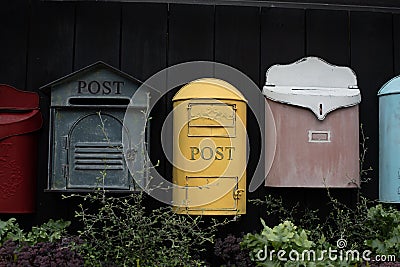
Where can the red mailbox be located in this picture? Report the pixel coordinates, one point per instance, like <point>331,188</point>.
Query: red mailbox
<point>20,118</point>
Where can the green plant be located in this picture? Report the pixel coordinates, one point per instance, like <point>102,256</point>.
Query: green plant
<point>363,153</point>
<point>384,225</point>
<point>276,207</point>
<point>341,221</point>
<point>304,218</point>
<point>47,232</point>
<point>367,226</point>
<point>344,222</point>
<point>283,237</point>
<point>44,245</point>
<point>347,223</point>
<point>364,227</point>
<point>288,245</point>
<point>9,230</point>
<point>119,231</point>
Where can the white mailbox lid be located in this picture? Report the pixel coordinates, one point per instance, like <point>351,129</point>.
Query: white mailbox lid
<point>314,84</point>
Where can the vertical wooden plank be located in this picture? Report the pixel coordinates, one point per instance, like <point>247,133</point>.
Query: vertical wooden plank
<point>14,19</point>
<point>372,61</point>
<point>97,33</point>
<point>191,33</point>
<point>143,54</point>
<point>237,44</point>
<point>51,41</point>
<point>282,42</point>
<point>144,39</point>
<point>237,39</point>
<point>327,34</point>
<point>396,43</point>
<point>282,37</point>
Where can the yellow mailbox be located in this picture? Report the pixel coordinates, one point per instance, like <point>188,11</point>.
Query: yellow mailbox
<point>209,144</point>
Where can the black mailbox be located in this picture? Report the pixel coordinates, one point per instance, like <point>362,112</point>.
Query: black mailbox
<point>86,124</point>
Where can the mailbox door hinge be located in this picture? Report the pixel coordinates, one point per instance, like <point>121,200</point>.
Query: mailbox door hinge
<point>66,142</point>
<point>65,168</point>
<point>65,171</point>
<point>238,193</point>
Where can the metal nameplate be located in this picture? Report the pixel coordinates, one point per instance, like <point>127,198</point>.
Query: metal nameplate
<point>212,119</point>
<point>319,136</point>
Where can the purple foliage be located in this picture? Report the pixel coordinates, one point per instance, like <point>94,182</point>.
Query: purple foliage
<point>229,250</point>
<point>386,264</point>
<point>43,254</point>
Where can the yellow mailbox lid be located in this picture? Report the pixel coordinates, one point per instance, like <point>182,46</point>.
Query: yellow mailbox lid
<point>209,88</point>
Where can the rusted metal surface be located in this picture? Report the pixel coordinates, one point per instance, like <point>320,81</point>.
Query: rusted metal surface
<point>301,162</point>
<point>314,105</point>
<point>86,127</point>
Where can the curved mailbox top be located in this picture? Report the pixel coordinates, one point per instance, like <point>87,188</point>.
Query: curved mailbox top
<point>314,84</point>
<point>19,112</point>
<point>18,124</point>
<point>391,87</point>
<point>14,99</point>
<point>209,88</point>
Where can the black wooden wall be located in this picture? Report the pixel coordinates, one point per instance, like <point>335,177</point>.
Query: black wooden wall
<point>43,41</point>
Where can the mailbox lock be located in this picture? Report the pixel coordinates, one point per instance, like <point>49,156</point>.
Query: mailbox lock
<point>238,193</point>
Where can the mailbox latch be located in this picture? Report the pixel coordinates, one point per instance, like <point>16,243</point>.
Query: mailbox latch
<point>65,171</point>
<point>238,193</point>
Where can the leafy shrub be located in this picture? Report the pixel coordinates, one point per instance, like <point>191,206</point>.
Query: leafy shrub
<point>341,222</point>
<point>347,223</point>
<point>120,232</point>
<point>366,227</point>
<point>306,219</point>
<point>385,264</point>
<point>9,230</point>
<point>384,225</point>
<point>284,236</point>
<point>288,245</point>
<point>50,231</point>
<point>47,232</point>
<point>229,250</point>
<point>42,246</point>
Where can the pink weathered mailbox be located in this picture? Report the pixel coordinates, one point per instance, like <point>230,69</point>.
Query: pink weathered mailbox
<point>315,108</point>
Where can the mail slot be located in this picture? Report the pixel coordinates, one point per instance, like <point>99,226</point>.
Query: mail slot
<point>20,119</point>
<point>209,144</point>
<point>86,125</point>
<point>315,109</point>
<point>389,145</point>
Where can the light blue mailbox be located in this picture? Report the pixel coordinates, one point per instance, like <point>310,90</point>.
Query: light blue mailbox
<point>389,141</point>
